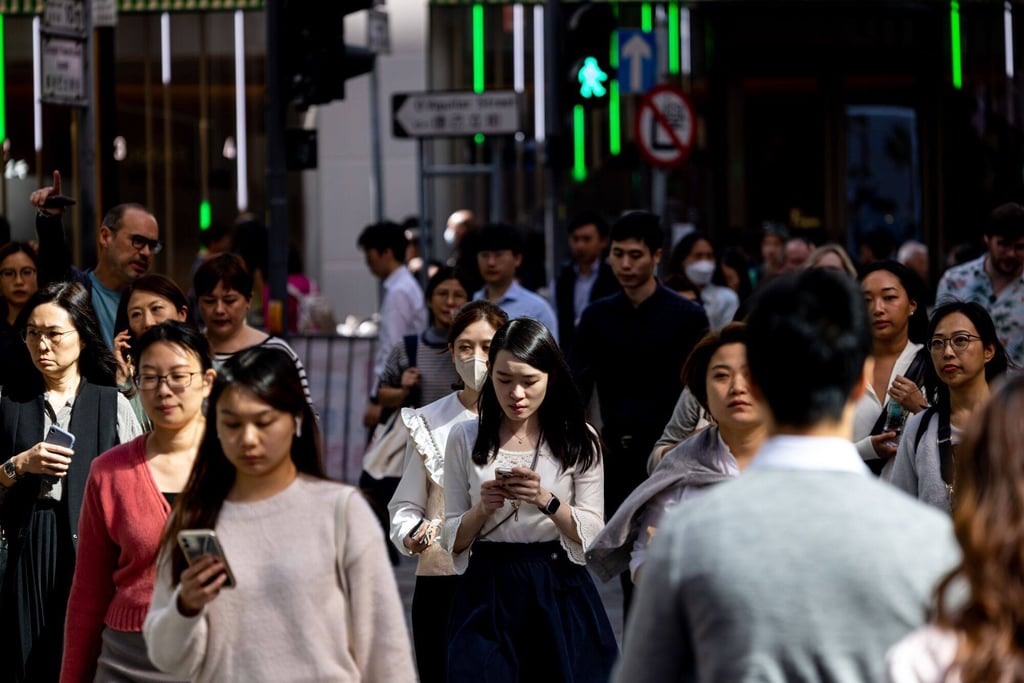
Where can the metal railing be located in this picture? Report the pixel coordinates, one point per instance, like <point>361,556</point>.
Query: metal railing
<point>340,372</point>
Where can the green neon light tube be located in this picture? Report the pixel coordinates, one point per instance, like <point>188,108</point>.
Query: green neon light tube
<point>646,17</point>
<point>954,29</point>
<point>614,120</point>
<point>478,48</point>
<point>579,165</point>
<point>3,82</point>
<point>478,138</point>
<point>673,37</point>
<point>205,215</point>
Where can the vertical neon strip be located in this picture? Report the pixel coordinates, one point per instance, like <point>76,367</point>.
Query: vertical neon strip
<point>539,125</point>
<point>1008,38</point>
<point>478,48</point>
<point>165,48</point>
<point>518,49</point>
<point>37,87</point>
<point>673,37</point>
<point>579,164</point>
<point>3,82</point>
<point>614,120</point>
<point>954,29</point>
<point>646,17</point>
<point>241,134</point>
<point>205,215</point>
<point>685,54</point>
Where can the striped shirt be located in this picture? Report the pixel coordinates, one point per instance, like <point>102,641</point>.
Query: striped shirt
<point>220,358</point>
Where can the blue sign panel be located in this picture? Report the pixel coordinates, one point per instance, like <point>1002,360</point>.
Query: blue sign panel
<point>638,61</point>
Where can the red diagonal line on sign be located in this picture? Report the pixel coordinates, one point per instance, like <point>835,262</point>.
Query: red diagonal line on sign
<point>660,118</point>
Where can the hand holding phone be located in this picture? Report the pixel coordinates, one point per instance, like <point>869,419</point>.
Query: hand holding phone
<point>52,457</point>
<point>199,543</point>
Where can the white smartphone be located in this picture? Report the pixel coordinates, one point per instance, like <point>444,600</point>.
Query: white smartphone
<point>198,542</point>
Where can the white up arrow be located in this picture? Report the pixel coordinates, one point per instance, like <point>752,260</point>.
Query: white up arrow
<point>636,51</point>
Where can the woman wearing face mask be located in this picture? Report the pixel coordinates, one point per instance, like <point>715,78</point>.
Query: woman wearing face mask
<point>695,257</point>
<point>417,509</point>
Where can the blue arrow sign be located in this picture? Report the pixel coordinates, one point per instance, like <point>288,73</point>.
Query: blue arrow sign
<point>638,61</point>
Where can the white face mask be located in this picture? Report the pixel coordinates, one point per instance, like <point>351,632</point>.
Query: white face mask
<point>473,371</point>
<point>700,272</point>
<point>449,236</point>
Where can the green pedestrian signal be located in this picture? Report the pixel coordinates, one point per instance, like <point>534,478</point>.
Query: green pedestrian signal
<point>592,79</point>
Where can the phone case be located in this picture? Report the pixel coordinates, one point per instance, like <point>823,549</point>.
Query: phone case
<point>195,543</point>
<point>59,437</point>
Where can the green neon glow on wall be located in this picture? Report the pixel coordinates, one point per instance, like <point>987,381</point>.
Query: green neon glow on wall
<point>205,215</point>
<point>478,48</point>
<point>579,165</point>
<point>954,29</point>
<point>614,120</point>
<point>646,17</point>
<point>3,82</point>
<point>478,138</point>
<point>673,37</point>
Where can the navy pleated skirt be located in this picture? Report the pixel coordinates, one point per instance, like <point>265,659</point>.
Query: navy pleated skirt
<point>524,612</point>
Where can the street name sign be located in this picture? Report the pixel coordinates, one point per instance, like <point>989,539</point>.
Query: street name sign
<point>63,73</point>
<point>665,126</point>
<point>638,61</point>
<point>454,114</point>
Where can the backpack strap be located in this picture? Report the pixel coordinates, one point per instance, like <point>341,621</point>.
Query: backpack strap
<point>913,373</point>
<point>922,427</point>
<point>946,464</point>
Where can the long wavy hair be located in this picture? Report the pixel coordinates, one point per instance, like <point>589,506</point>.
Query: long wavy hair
<point>270,374</point>
<point>563,423</point>
<point>937,391</point>
<point>988,520</point>
<point>95,362</point>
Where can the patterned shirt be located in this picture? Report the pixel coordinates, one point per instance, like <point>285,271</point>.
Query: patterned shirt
<point>970,282</point>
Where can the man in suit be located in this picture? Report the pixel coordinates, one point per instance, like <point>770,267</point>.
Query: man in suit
<point>805,568</point>
<point>586,277</point>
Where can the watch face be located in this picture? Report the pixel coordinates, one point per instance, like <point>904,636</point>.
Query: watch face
<point>9,469</point>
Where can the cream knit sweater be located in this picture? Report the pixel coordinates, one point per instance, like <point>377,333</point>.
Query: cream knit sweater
<point>288,619</point>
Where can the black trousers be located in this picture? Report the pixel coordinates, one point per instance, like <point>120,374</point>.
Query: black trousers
<point>431,606</point>
<point>379,493</point>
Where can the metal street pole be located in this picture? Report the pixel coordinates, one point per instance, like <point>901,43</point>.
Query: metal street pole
<point>553,162</point>
<point>277,171</point>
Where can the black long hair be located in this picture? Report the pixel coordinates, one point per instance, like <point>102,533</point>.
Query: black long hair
<point>270,374</point>
<point>937,391</point>
<point>917,325</point>
<point>563,421</point>
<point>95,362</point>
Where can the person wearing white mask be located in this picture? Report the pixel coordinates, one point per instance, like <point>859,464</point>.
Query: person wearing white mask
<point>417,508</point>
<point>694,256</point>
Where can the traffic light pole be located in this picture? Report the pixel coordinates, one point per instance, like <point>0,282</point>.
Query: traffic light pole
<point>553,125</point>
<point>277,170</point>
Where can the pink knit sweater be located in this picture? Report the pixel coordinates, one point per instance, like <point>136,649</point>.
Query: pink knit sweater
<point>123,515</point>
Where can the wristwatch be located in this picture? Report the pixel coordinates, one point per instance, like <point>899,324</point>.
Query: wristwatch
<point>10,470</point>
<point>552,506</point>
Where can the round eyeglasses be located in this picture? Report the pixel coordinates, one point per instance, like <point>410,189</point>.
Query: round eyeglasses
<point>176,380</point>
<point>958,342</point>
<point>53,338</point>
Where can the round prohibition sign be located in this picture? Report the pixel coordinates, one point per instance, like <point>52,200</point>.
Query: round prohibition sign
<point>665,126</point>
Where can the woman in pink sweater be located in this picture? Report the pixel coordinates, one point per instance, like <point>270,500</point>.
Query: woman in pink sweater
<point>128,498</point>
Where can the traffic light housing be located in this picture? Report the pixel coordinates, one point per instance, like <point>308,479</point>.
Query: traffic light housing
<point>589,34</point>
<point>317,61</point>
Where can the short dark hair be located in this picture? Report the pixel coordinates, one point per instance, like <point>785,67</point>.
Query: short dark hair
<point>228,269</point>
<point>183,335</point>
<point>695,370</point>
<point>473,312</point>
<point>384,236</point>
<point>812,338</point>
<point>639,225</point>
<point>588,217</point>
<point>1006,221</point>
<point>113,218</point>
<point>499,237</point>
<point>12,248</point>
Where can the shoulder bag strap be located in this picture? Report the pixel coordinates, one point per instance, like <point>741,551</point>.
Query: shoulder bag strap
<point>340,539</point>
<point>946,464</point>
<point>913,373</point>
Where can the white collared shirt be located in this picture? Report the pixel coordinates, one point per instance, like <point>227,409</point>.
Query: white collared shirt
<point>519,302</point>
<point>821,453</point>
<point>402,312</point>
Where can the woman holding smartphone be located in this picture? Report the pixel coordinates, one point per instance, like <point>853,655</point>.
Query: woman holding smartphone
<point>314,596</point>
<point>524,498</point>
<point>120,534</point>
<point>70,385</point>
<point>417,509</point>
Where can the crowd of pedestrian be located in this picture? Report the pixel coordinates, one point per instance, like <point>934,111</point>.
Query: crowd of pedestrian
<point>799,469</point>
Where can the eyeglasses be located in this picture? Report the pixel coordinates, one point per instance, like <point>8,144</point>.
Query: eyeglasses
<point>958,342</point>
<point>176,381</point>
<point>11,273</point>
<point>139,243</point>
<point>53,338</point>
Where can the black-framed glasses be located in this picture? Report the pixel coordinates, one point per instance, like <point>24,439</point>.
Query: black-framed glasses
<point>11,273</point>
<point>175,380</point>
<point>958,342</point>
<point>139,243</point>
<point>31,335</point>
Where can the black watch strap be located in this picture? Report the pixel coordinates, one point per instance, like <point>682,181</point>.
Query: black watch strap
<point>10,470</point>
<point>552,506</point>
